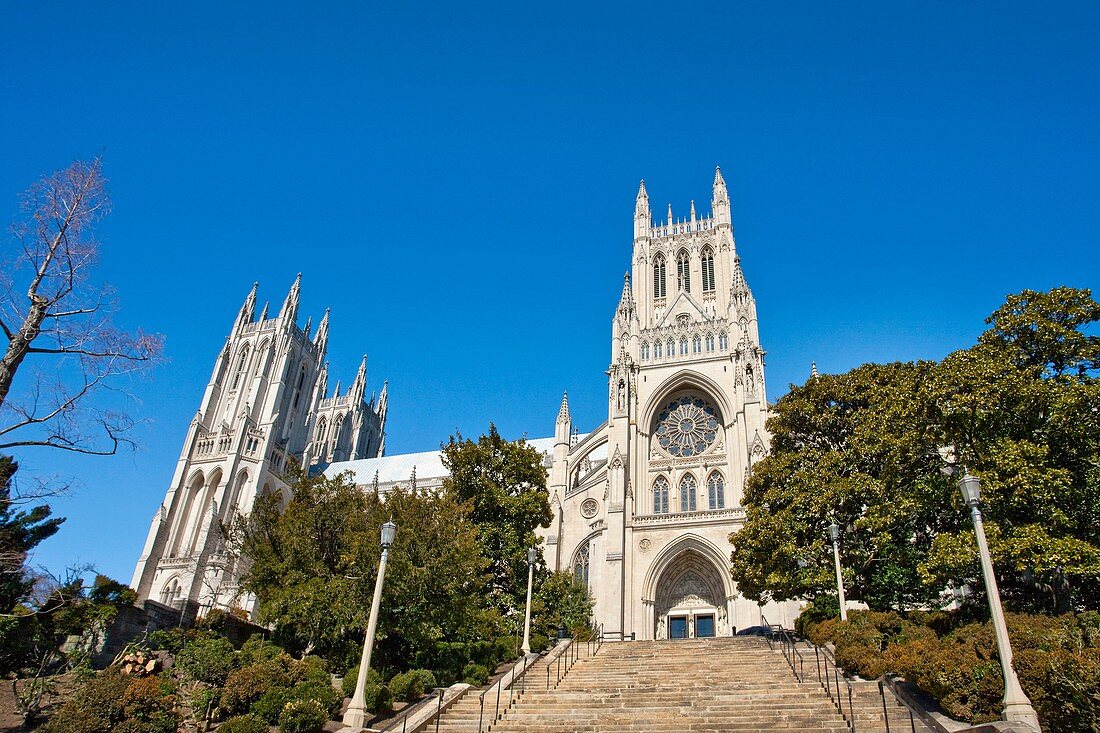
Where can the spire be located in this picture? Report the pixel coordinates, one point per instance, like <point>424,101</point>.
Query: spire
<point>289,311</point>
<point>669,222</point>
<point>693,211</point>
<point>813,370</point>
<point>361,376</point>
<point>322,331</point>
<point>626,300</point>
<point>263,313</point>
<point>563,411</point>
<point>248,308</point>
<point>739,289</point>
<point>720,200</point>
<point>359,386</point>
<point>642,218</point>
<point>642,202</point>
<point>309,327</point>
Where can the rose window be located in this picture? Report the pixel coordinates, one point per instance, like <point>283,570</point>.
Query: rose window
<point>687,427</point>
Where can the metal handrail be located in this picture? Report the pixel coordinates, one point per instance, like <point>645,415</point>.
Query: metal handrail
<point>438,708</point>
<point>914,710</point>
<point>831,686</point>
<point>529,661</point>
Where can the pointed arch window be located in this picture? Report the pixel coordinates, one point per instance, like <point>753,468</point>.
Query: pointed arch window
<point>683,347</point>
<point>660,495</point>
<point>298,389</point>
<point>710,342</point>
<point>671,348</point>
<point>242,361</point>
<point>657,350</point>
<point>659,276</point>
<point>696,345</point>
<point>723,341</point>
<point>708,270</point>
<point>338,424</point>
<point>688,491</point>
<point>581,563</point>
<point>716,491</point>
<point>683,271</point>
<point>645,351</point>
<point>322,428</point>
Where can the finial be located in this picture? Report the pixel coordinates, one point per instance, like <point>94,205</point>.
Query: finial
<point>813,370</point>
<point>563,411</point>
<point>669,222</point>
<point>718,180</point>
<point>693,209</point>
<point>641,190</point>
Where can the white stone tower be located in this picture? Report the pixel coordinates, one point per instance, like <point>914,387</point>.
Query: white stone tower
<point>645,503</point>
<point>264,410</point>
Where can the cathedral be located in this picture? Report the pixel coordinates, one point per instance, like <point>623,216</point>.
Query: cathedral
<point>643,503</point>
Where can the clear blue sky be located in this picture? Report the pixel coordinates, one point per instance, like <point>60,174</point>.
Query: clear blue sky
<point>457,180</point>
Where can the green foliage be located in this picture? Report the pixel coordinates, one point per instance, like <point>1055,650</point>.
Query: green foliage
<point>302,716</point>
<point>270,704</point>
<point>320,690</point>
<point>112,701</point>
<point>410,686</point>
<point>475,674</point>
<point>352,677</point>
<point>243,724</point>
<point>560,601</point>
<point>207,659</point>
<point>246,685</point>
<point>505,482</point>
<point>1021,408</point>
<point>20,532</point>
<point>955,661</point>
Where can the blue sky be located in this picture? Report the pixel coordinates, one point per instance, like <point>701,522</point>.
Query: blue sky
<point>456,182</point>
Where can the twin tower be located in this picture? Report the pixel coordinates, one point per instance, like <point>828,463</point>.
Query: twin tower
<point>644,503</point>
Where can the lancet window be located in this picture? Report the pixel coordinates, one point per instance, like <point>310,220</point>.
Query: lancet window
<point>683,272</point>
<point>657,350</point>
<point>687,493</point>
<point>710,342</point>
<point>581,563</point>
<point>716,491</point>
<point>708,270</point>
<point>696,345</point>
<point>659,276</point>
<point>645,351</point>
<point>660,495</point>
<point>723,341</point>
<point>241,362</point>
<point>683,347</point>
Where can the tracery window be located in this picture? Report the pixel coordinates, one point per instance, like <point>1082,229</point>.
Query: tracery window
<point>339,423</point>
<point>687,427</point>
<point>716,490</point>
<point>683,347</point>
<point>657,350</point>
<point>659,276</point>
<point>683,271</point>
<point>240,367</point>
<point>671,351</point>
<point>696,345</point>
<point>645,351</point>
<point>298,389</point>
<point>687,493</point>
<point>723,341</point>
<point>322,428</point>
<point>581,562</point>
<point>660,495</point>
<point>710,342</point>
<point>708,270</point>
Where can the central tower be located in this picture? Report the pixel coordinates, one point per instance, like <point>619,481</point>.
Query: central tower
<point>646,501</point>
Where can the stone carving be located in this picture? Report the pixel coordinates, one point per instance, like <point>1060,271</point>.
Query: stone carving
<point>589,507</point>
<point>644,545</point>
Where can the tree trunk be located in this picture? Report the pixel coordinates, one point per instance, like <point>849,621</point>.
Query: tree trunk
<point>20,343</point>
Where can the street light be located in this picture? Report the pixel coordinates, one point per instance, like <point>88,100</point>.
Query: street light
<point>532,555</point>
<point>1017,706</point>
<point>356,716</point>
<point>834,533</point>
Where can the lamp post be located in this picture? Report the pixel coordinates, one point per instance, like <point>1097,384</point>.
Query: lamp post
<point>834,534</point>
<point>532,555</point>
<point>1017,706</point>
<point>356,716</point>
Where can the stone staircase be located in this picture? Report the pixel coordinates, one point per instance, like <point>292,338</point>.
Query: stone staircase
<point>717,684</point>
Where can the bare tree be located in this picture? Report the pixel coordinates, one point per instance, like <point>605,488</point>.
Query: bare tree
<point>64,336</point>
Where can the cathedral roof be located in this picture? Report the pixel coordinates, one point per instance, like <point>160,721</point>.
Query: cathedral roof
<point>397,469</point>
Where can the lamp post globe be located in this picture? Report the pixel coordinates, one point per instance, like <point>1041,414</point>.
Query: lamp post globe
<point>1017,705</point>
<point>357,714</point>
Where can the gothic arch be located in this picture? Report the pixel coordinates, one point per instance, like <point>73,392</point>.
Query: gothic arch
<point>584,549</point>
<point>688,543</point>
<point>686,380</point>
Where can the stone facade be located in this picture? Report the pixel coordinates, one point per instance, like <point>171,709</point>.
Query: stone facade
<point>266,407</point>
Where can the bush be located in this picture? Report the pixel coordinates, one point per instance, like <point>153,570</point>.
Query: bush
<point>321,691</point>
<point>302,716</point>
<point>114,702</point>
<point>243,724</point>
<point>259,649</point>
<point>378,698</point>
<point>246,685</point>
<point>270,704</point>
<point>410,686</point>
<point>207,659</point>
<point>348,685</point>
<point>475,674</point>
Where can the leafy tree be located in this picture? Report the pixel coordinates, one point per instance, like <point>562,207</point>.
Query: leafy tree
<point>1022,408</point>
<point>313,569</point>
<point>53,310</point>
<point>559,600</point>
<point>20,532</point>
<point>505,482</point>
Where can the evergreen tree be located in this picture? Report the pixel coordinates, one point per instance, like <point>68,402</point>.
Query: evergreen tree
<point>20,532</point>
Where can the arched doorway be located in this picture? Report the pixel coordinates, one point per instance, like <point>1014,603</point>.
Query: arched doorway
<point>690,599</point>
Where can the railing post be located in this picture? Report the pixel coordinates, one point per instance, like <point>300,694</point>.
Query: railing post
<point>496,712</point>
<point>851,710</point>
<point>438,707</point>
<point>885,712</point>
<point>481,711</point>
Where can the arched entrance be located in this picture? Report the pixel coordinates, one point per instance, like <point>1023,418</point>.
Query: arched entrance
<point>688,593</point>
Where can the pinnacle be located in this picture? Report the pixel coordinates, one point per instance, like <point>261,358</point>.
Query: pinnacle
<point>563,411</point>
<point>813,370</point>
<point>718,180</point>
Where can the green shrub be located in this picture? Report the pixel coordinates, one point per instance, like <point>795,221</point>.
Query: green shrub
<point>348,685</point>
<point>206,659</point>
<point>258,649</point>
<point>321,691</point>
<point>539,642</point>
<point>112,701</point>
<point>270,704</point>
<point>378,698</point>
<point>243,724</point>
<point>302,716</point>
<point>475,674</point>
<point>410,686</point>
<point>246,685</point>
